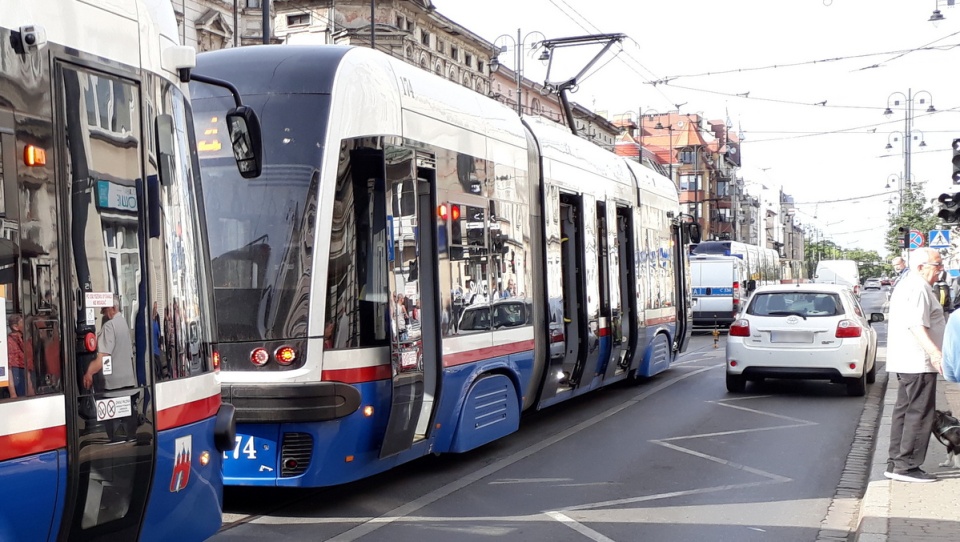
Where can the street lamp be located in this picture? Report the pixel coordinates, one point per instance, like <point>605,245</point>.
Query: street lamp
<point>909,99</point>
<point>936,16</point>
<point>893,177</point>
<point>518,45</point>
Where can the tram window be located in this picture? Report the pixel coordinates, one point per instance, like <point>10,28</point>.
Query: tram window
<point>28,273</point>
<point>358,293</point>
<point>179,340</point>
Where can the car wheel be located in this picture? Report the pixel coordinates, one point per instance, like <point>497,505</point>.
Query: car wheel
<point>736,383</point>
<point>872,374</point>
<point>857,386</point>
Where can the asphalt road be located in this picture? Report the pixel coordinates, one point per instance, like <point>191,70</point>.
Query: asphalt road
<point>674,458</point>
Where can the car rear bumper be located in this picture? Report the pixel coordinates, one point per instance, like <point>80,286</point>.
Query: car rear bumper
<point>713,318</point>
<point>812,363</point>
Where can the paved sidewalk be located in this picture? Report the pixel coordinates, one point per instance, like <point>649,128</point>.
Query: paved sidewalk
<point>903,511</point>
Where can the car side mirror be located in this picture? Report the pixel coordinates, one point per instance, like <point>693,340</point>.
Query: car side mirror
<point>245,140</point>
<point>751,285</point>
<point>876,317</point>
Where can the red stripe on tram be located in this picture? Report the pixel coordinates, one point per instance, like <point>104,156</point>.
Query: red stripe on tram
<point>32,442</point>
<point>461,358</point>
<point>187,413</point>
<point>661,320</point>
<point>357,375</point>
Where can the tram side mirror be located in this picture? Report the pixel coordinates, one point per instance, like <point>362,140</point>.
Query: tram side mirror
<point>245,140</point>
<point>693,233</point>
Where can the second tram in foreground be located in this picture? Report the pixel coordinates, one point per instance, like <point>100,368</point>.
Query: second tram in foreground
<point>417,265</point>
<point>111,423</point>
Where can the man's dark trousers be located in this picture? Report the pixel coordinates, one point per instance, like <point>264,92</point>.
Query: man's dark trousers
<point>912,420</point>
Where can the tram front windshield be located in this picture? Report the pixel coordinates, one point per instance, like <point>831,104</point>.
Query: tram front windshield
<point>261,230</point>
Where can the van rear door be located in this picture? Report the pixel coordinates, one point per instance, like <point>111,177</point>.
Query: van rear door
<point>713,291</point>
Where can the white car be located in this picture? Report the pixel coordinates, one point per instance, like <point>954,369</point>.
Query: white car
<point>803,331</point>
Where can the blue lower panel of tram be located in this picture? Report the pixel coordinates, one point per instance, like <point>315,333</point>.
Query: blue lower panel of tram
<point>186,498</point>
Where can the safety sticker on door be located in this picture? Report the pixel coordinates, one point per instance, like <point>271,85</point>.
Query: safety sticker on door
<point>117,407</point>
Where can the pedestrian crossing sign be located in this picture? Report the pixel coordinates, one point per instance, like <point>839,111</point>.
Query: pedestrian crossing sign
<point>939,239</point>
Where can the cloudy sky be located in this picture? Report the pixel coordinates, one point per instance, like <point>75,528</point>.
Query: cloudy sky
<point>806,82</point>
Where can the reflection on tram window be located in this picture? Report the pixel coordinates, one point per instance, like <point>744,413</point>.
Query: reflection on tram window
<point>29,276</point>
<point>179,342</point>
<point>359,301</point>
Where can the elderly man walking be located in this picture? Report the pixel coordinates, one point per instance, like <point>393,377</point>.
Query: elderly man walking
<point>915,334</point>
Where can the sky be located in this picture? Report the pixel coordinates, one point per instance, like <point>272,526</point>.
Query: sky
<point>805,82</point>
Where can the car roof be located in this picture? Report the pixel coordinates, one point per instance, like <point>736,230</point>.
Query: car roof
<point>804,287</point>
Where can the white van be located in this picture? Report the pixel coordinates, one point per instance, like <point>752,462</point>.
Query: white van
<point>720,287</point>
<point>844,272</point>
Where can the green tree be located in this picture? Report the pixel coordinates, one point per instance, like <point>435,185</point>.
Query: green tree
<point>915,213</point>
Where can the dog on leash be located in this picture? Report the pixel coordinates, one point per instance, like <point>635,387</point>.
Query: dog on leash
<point>946,429</point>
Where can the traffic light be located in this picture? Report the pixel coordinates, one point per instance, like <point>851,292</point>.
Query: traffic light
<point>956,161</point>
<point>456,234</point>
<point>950,206</point>
<point>903,240</point>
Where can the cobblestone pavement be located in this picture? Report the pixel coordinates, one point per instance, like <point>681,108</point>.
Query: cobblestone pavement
<point>901,511</point>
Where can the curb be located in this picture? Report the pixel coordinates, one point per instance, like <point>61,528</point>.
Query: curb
<point>845,513</point>
<point>872,521</point>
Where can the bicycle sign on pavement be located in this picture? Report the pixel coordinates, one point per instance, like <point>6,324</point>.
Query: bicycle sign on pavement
<point>916,238</point>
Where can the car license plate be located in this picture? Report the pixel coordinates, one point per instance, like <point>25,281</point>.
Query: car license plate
<point>793,337</point>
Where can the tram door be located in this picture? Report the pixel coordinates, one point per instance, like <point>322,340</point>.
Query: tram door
<point>574,302</point>
<point>110,421</point>
<point>412,264</point>
<point>629,324</point>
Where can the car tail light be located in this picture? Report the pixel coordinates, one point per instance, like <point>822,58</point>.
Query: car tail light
<point>285,355</point>
<point>740,328</point>
<point>259,357</point>
<point>736,296</point>
<point>848,329</point>
<point>856,289</point>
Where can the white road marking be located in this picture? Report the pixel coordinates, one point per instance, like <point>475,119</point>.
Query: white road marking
<point>579,527</point>
<point>439,493</point>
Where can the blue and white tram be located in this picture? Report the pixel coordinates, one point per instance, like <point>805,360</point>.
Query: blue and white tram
<point>417,265</point>
<point>107,432</point>
<point>763,263</point>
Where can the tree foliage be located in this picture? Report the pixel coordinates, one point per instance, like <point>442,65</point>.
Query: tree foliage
<point>869,261</point>
<point>915,213</point>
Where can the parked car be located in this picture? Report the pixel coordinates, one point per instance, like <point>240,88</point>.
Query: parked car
<point>886,281</point>
<point>873,284</point>
<point>803,331</point>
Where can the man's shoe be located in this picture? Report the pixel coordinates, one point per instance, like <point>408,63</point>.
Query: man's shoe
<point>912,475</point>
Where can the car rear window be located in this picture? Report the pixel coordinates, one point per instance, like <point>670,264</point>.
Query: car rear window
<point>805,304</point>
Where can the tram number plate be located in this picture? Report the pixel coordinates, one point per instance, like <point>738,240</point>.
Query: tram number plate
<point>252,456</point>
<point>245,448</point>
